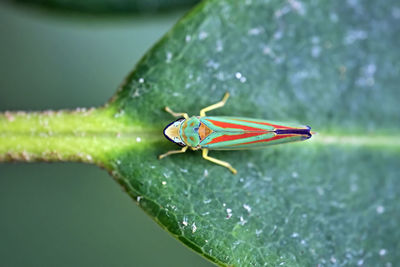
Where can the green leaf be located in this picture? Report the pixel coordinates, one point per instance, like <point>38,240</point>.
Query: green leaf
<point>109,6</point>
<point>331,200</point>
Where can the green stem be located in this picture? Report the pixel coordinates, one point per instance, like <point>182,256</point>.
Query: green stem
<point>79,135</point>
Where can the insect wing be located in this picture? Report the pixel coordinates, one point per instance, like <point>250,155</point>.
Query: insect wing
<point>232,133</point>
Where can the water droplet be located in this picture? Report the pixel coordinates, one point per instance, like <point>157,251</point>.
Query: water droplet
<point>194,228</point>
<point>315,51</point>
<point>203,35</point>
<point>255,31</point>
<point>242,221</point>
<point>229,212</point>
<point>278,35</point>
<point>169,57</point>
<point>267,50</point>
<point>355,35</point>
<point>212,64</point>
<point>380,209</point>
<point>353,187</point>
<point>297,6</point>
<point>333,17</point>
<point>247,207</point>
<point>370,69</point>
<point>280,12</point>
<point>382,252</point>
<point>136,93</point>
<point>220,46</point>
<point>206,201</point>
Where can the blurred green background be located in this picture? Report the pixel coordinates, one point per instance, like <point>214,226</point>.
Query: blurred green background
<point>74,214</point>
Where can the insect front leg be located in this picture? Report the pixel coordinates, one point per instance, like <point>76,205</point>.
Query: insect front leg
<point>215,106</point>
<point>183,150</point>
<point>176,114</point>
<point>219,162</point>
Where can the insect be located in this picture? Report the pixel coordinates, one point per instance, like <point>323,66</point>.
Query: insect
<point>228,133</point>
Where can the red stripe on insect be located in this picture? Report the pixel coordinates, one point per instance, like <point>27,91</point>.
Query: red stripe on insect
<point>266,123</point>
<point>269,139</point>
<point>235,126</point>
<point>224,138</point>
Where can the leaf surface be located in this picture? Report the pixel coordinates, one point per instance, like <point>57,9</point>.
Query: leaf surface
<point>331,200</point>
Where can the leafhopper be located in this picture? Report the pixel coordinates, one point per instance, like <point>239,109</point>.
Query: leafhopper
<point>228,133</point>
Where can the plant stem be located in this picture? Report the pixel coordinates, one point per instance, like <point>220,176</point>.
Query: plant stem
<point>67,135</point>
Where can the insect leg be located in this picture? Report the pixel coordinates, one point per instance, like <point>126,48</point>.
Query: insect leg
<point>219,162</point>
<point>215,106</point>
<point>183,150</point>
<point>176,114</point>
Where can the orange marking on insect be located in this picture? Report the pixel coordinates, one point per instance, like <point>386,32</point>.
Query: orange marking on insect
<point>234,137</point>
<point>204,131</point>
<point>184,126</point>
<point>184,137</point>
